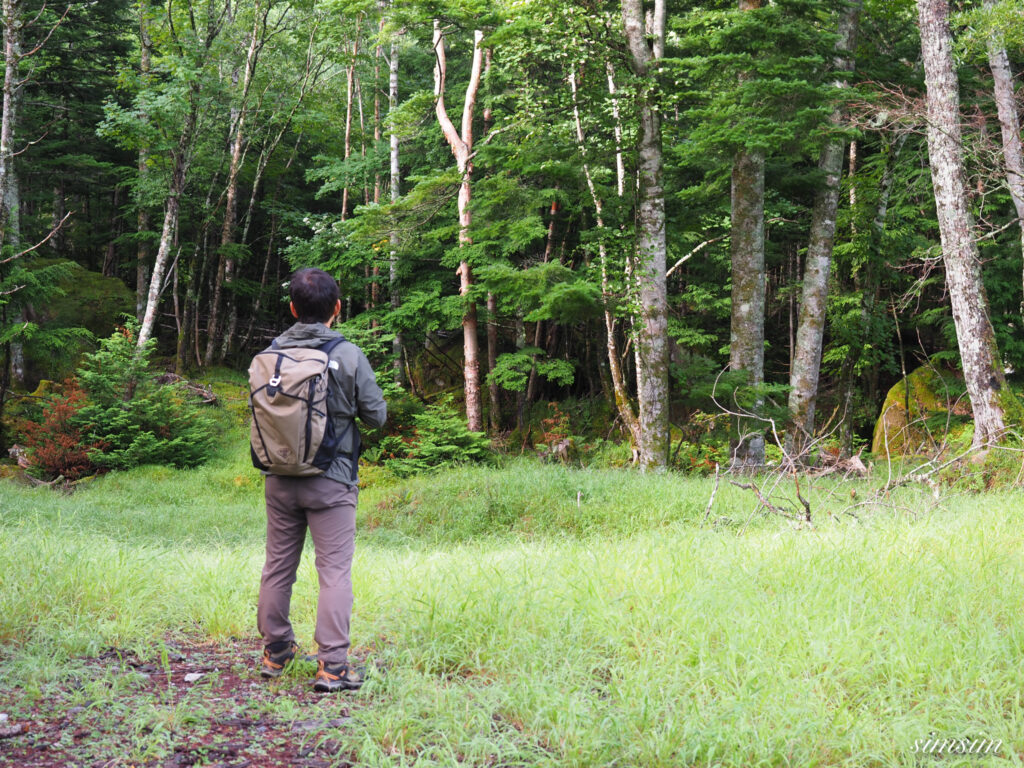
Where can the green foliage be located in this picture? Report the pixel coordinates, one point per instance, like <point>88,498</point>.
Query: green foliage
<point>134,418</point>
<point>754,77</point>
<point>436,438</point>
<point>24,283</point>
<point>512,369</point>
<point>99,138</point>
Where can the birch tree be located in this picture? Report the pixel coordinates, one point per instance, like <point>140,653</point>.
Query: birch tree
<point>143,217</point>
<point>652,324</point>
<point>983,370</point>
<point>623,405</point>
<point>12,25</point>
<point>1009,124</point>
<point>396,180</point>
<point>202,33</point>
<point>239,117</point>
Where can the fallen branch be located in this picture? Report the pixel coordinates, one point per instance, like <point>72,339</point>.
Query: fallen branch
<point>768,505</point>
<point>204,393</point>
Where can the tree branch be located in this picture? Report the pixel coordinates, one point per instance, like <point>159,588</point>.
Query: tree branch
<point>440,74</point>
<point>693,253</point>
<point>40,243</point>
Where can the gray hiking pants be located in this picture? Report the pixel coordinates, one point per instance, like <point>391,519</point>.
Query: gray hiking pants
<point>328,509</point>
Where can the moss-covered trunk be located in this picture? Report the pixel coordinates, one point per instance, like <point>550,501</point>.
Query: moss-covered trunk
<point>803,377</point>
<point>652,325</point>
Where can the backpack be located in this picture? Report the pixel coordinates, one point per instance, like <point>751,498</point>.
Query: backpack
<point>292,433</point>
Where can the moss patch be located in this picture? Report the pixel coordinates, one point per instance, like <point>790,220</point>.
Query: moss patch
<point>919,410</point>
<point>89,300</point>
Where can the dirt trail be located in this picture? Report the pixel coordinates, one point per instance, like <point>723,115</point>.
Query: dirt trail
<point>191,705</point>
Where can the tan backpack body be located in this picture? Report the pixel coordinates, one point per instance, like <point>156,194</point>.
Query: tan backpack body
<point>292,433</point>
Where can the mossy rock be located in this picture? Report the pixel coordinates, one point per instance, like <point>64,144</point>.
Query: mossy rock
<point>27,406</point>
<point>90,300</point>
<point>920,411</point>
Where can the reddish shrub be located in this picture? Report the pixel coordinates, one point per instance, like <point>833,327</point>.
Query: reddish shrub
<point>54,443</point>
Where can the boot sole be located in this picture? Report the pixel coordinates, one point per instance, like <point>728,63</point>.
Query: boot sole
<point>334,687</point>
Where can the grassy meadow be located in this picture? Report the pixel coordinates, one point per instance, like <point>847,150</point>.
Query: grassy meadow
<point>531,615</point>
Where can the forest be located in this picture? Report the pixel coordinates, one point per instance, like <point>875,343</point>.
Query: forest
<point>768,252</point>
<point>751,218</point>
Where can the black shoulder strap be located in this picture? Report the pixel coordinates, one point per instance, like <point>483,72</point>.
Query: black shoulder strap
<point>328,346</point>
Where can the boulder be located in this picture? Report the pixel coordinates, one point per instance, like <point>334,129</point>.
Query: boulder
<point>916,411</point>
<point>90,300</point>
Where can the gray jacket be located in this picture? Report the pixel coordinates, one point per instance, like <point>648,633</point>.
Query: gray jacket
<point>353,391</point>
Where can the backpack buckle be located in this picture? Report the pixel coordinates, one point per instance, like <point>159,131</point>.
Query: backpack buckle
<point>274,381</point>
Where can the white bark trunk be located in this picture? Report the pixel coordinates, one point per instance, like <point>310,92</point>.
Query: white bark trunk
<point>1009,124</point>
<point>182,156</point>
<point>143,220</point>
<point>396,178</point>
<point>623,405</point>
<point>8,184</point>
<point>225,261</point>
<point>349,86</point>
<point>983,370</point>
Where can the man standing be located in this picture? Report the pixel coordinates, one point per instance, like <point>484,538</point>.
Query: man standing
<point>324,503</point>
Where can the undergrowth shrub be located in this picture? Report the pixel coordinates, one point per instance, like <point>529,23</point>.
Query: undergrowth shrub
<point>703,442</point>
<point>54,443</point>
<point>437,437</point>
<point>134,419</point>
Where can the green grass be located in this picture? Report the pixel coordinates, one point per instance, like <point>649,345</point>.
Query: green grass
<point>534,615</point>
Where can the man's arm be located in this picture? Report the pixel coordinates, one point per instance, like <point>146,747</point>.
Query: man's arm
<point>370,405</point>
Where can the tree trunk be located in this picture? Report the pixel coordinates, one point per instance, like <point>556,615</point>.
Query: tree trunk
<point>225,260</point>
<point>378,54</point>
<point>181,156</point>
<point>623,405</point>
<point>143,220</point>
<point>396,178</point>
<point>9,224</point>
<point>652,335</point>
<point>110,258</point>
<point>349,87</point>
<point>538,328</point>
<point>983,370</point>
<point>746,338</point>
<point>1009,124</point>
<point>493,390</point>
<point>462,147</point>
<point>803,378</point>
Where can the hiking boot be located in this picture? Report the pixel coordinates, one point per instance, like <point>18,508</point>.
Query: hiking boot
<point>336,677</point>
<point>276,657</point>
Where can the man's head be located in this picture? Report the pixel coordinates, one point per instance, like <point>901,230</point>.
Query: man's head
<point>314,296</point>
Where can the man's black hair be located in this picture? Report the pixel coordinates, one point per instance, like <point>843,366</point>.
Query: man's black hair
<point>314,294</point>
